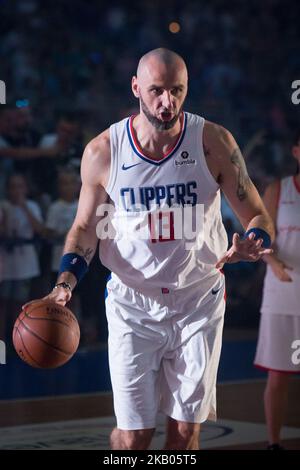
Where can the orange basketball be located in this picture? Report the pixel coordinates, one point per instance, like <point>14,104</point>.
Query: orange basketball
<point>46,334</point>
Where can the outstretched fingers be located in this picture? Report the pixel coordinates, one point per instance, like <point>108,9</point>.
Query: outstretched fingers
<point>266,251</point>
<point>223,260</point>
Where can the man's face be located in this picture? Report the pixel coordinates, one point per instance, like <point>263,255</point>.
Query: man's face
<point>162,91</point>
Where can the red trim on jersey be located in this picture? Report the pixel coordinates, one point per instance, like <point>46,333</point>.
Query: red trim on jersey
<point>138,148</point>
<point>297,186</point>
<point>267,369</point>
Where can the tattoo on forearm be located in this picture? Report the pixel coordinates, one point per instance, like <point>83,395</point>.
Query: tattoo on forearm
<point>86,253</point>
<point>243,177</point>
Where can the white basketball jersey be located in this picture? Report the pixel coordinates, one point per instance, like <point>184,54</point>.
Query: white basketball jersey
<point>167,220</point>
<point>284,297</point>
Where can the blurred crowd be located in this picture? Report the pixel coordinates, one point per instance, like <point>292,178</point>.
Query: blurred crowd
<point>67,68</point>
<point>39,189</point>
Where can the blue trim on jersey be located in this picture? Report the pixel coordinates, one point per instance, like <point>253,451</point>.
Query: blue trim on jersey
<point>149,160</point>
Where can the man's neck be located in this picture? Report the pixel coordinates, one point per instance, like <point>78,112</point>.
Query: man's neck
<point>152,140</point>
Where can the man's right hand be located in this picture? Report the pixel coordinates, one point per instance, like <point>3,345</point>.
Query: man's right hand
<point>59,295</point>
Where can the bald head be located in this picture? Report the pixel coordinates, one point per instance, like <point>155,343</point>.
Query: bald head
<point>160,57</point>
<point>161,86</point>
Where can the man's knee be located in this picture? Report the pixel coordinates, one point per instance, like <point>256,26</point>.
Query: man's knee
<point>182,435</point>
<point>131,440</point>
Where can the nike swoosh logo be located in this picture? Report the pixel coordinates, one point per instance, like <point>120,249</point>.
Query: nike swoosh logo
<point>130,166</point>
<point>215,291</point>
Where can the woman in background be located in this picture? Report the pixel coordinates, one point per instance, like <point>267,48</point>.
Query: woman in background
<point>278,349</point>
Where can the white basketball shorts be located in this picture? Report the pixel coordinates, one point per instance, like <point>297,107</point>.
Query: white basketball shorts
<point>278,346</point>
<point>164,351</point>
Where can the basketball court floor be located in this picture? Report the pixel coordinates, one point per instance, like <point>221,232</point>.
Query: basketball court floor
<point>71,407</point>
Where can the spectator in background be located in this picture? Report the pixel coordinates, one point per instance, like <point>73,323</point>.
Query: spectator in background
<point>7,114</point>
<point>19,256</point>
<point>60,217</point>
<point>2,233</point>
<point>23,134</point>
<point>18,150</point>
<point>68,137</point>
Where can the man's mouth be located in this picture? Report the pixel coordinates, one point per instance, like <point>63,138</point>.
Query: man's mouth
<point>166,116</point>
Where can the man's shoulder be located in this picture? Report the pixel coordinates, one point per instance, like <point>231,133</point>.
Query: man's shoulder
<point>96,159</point>
<point>100,143</point>
<point>214,132</point>
<point>97,150</point>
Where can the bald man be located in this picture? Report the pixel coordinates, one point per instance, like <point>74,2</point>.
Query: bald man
<point>161,171</point>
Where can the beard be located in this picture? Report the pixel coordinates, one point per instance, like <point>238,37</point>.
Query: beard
<point>157,123</point>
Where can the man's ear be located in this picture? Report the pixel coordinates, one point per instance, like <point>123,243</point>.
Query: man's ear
<point>135,87</point>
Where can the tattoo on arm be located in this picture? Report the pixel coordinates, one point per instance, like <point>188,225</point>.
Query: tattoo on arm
<point>243,177</point>
<point>86,253</point>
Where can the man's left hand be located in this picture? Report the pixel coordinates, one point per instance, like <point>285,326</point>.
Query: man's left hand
<point>247,249</point>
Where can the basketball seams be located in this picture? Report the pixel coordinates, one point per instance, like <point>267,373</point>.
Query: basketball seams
<point>43,341</point>
<point>41,302</point>
<point>26,350</point>
<point>52,341</point>
<point>34,307</point>
<point>47,319</point>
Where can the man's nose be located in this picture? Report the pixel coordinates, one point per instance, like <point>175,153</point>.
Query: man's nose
<point>166,99</point>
